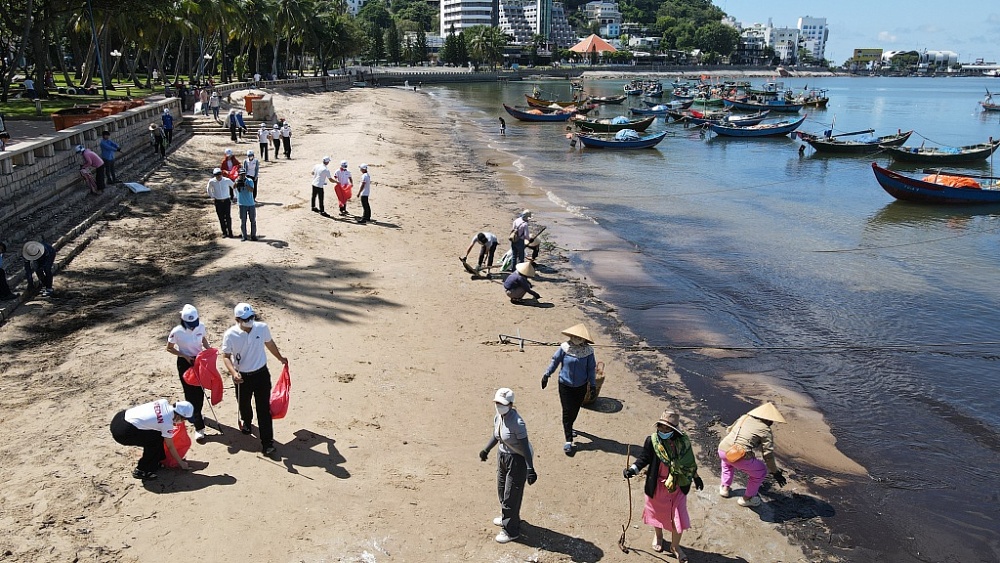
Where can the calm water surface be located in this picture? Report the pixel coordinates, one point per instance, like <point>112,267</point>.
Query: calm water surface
<point>884,313</point>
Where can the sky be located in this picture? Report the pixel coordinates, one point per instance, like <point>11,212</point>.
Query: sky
<point>970,28</point>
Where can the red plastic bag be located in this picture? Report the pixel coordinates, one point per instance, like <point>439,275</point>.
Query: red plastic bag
<point>280,394</point>
<point>181,441</point>
<point>205,373</point>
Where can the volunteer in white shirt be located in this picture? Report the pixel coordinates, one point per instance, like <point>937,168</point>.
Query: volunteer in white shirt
<point>252,167</point>
<point>363,192</point>
<point>151,426</point>
<point>220,189</point>
<point>321,175</point>
<point>186,341</point>
<point>263,139</point>
<point>243,354</point>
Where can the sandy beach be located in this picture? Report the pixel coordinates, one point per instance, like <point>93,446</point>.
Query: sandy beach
<point>394,358</point>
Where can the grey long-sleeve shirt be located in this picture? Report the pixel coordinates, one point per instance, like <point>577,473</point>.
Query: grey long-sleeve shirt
<point>511,433</point>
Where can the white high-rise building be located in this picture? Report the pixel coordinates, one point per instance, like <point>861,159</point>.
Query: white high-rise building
<point>814,33</point>
<point>523,19</point>
<point>463,14</point>
<point>784,41</point>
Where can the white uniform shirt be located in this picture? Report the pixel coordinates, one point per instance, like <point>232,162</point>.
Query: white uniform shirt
<point>321,174</point>
<point>491,239</point>
<point>158,415</point>
<point>366,185</point>
<point>219,189</point>
<point>343,177</point>
<point>286,131</point>
<point>252,167</point>
<point>188,342</point>
<point>247,348</point>
<point>263,136</point>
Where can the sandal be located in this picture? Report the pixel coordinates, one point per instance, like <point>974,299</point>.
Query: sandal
<point>658,547</point>
<point>681,556</point>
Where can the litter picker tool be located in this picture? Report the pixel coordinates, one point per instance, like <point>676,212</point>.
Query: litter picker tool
<point>621,541</point>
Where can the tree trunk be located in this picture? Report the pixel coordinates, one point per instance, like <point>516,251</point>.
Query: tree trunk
<point>25,34</point>
<point>177,61</point>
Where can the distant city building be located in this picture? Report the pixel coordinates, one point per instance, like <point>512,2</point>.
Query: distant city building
<point>523,19</point>
<point>651,43</point>
<point>813,33</point>
<point>463,14</point>
<point>750,50</point>
<point>937,60</point>
<point>606,14</point>
<point>354,6</point>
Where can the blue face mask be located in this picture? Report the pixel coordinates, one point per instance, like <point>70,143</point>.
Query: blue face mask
<point>664,435</point>
<point>190,325</point>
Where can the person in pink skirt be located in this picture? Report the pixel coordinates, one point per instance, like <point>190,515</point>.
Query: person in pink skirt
<point>736,452</point>
<point>672,470</point>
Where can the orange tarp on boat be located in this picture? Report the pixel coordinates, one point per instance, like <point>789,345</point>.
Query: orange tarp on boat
<point>952,181</point>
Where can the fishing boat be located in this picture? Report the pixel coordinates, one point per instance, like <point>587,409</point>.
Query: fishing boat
<point>611,100</point>
<point>943,155</point>
<point>864,145</point>
<point>610,125</point>
<point>632,90</point>
<point>938,187</point>
<point>815,98</point>
<point>988,103</point>
<point>538,114</point>
<point>672,104</point>
<point>751,104</point>
<point>621,140</point>
<point>759,130</point>
<point>699,118</point>
<point>542,103</point>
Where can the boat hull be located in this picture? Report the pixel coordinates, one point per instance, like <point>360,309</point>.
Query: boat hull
<point>524,116</point>
<point>646,142</point>
<point>639,125</point>
<point>833,146</point>
<point>970,153</point>
<point>911,189</point>
<point>782,107</point>
<point>774,130</point>
<point>540,103</point>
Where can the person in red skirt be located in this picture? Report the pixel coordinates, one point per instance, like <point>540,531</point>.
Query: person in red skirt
<point>672,470</point>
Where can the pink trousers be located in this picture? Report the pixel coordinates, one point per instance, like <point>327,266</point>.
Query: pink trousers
<point>755,469</point>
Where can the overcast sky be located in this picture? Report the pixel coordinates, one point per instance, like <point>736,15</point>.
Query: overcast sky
<point>970,28</point>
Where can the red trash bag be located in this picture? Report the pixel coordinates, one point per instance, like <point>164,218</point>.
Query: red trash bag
<point>280,394</point>
<point>205,373</point>
<point>181,441</point>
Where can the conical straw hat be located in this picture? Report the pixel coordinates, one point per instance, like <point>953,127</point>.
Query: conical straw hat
<point>580,331</point>
<point>767,411</point>
<point>525,269</point>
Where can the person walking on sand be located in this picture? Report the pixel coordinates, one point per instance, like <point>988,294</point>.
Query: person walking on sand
<point>321,175</point>
<point>39,257</point>
<point>276,139</point>
<point>243,346</point>
<point>286,140</point>
<point>672,470</point>
<point>517,285</point>
<point>230,165</point>
<point>186,341</point>
<point>203,97</point>
<point>577,372</point>
<point>345,184</point>
<point>232,124</point>
<point>215,104</point>
<point>248,206</point>
<point>108,150</point>
<point>151,426</point>
<point>515,463</point>
<point>519,235</point>
<point>92,169</point>
<point>252,167</point>
<point>263,138</point>
<point>487,250</point>
<point>157,139</point>
<point>736,452</point>
<point>168,125</point>
<point>503,127</point>
<point>364,190</point>
<point>220,189</point>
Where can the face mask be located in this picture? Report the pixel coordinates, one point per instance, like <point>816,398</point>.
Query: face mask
<point>190,325</point>
<point>503,409</point>
<point>665,435</point>
<point>248,323</point>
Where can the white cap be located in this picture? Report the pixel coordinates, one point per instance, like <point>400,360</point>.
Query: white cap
<point>504,396</point>
<point>184,409</point>
<point>326,160</point>
<point>189,313</point>
<point>216,171</point>
<point>526,214</point>
<point>80,148</point>
<point>343,164</point>
<point>275,125</point>
<point>166,110</point>
<point>243,311</point>
<point>249,153</point>
<point>229,152</point>
<point>363,167</point>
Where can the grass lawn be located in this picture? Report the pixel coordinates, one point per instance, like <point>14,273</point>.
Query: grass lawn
<point>18,108</point>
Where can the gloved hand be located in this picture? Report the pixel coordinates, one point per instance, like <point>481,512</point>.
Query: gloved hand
<point>545,381</point>
<point>483,454</point>
<point>779,478</point>
<point>628,473</point>
<point>698,483</point>
<point>532,476</point>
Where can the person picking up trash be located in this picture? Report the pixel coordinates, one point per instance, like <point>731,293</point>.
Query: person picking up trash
<point>150,426</point>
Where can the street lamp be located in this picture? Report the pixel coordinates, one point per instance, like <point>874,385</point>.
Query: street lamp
<point>207,59</point>
<point>118,59</point>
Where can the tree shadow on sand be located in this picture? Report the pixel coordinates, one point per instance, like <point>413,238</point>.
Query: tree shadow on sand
<point>543,538</point>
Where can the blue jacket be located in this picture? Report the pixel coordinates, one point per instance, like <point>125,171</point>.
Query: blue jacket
<point>43,264</point>
<point>108,149</point>
<point>245,196</point>
<point>168,121</point>
<point>576,371</point>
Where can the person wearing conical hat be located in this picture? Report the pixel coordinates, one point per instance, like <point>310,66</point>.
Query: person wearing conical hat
<point>736,452</point>
<point>39,257</point>
<point>517,284</point>
<point>672,470</point>
<point>577,371</point>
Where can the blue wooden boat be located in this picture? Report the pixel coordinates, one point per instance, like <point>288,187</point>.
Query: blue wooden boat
<point>773,105</point>
<point>698,118</point>
<point>593,140</point>
<point>759,130</point>
<point>943,155</point>
<point>526,116</point>
<point>922,191</point>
